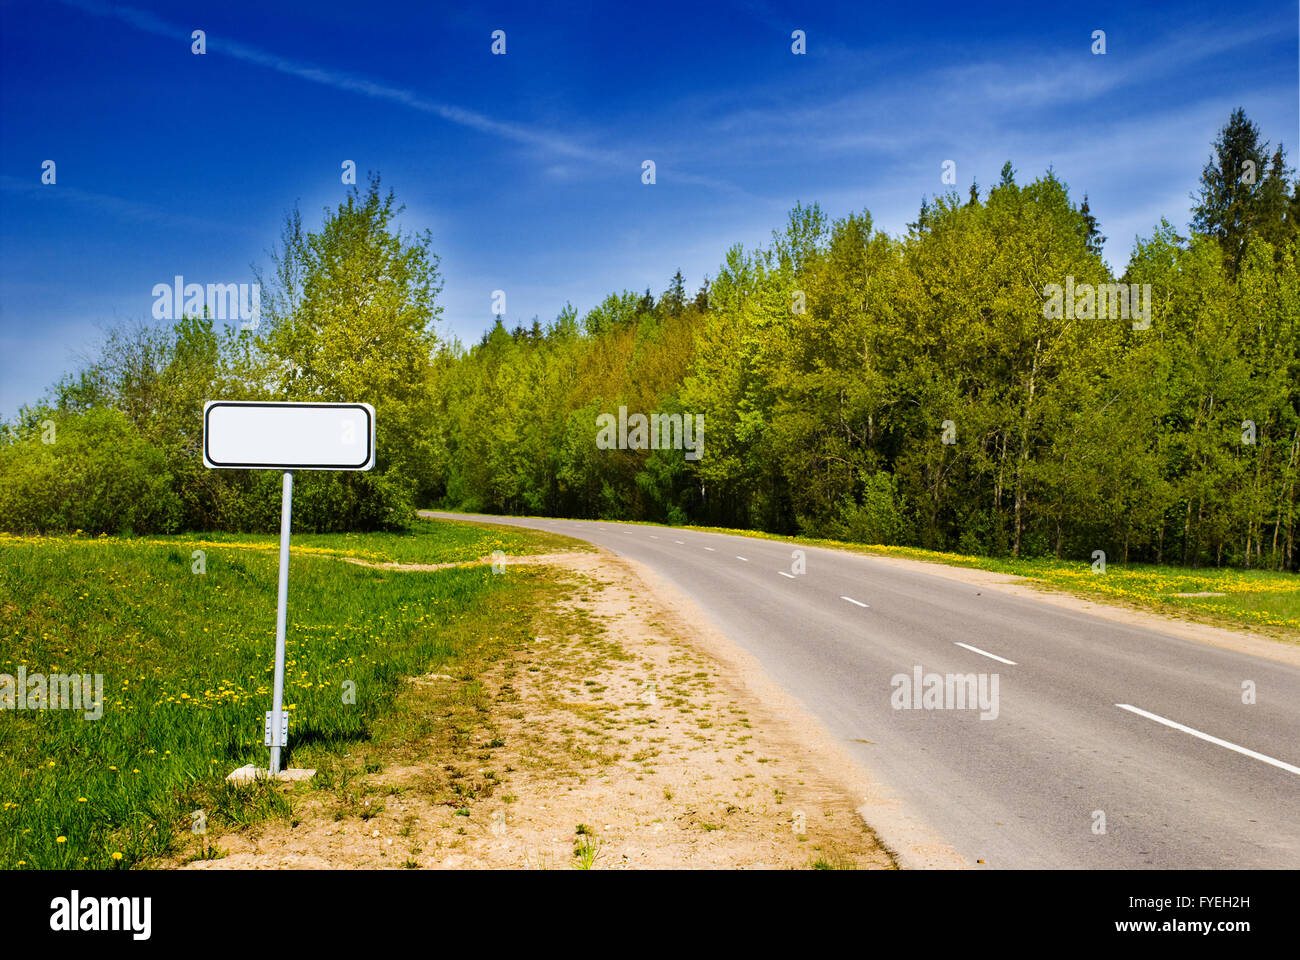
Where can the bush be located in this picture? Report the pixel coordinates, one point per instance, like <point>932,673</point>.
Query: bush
<point>324,502</point>
<point>95,474</point>
<point>876,519</point>
<point>101,476</point>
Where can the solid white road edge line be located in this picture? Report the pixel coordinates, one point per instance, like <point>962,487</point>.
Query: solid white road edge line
<point>985,653</point>
<point>1282,765</point>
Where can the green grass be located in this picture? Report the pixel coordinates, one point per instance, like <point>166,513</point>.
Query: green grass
<point>424,541</point>
<point>1262,600</point>
<point>187,663</point>
<point>586,848</point>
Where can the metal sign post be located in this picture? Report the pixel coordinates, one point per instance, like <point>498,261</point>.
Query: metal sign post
<point>240,435</point>
<point>277,719</point>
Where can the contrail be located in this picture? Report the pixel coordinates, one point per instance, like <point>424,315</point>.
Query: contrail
<point>147,22</point>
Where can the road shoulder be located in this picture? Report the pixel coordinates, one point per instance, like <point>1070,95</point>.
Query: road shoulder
<point>627,734</point>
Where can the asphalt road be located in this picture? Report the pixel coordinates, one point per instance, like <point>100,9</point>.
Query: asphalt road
<point>1020,789</point>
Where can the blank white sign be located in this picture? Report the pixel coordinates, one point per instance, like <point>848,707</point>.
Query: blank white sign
<point>242,435</point>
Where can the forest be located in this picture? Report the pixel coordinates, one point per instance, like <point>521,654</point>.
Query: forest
<point>978,384</point>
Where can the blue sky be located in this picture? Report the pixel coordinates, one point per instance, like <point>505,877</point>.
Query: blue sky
<point>527,167</point>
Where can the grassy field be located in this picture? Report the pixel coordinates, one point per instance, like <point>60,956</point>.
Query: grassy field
<point>1262,600</point>
<point>187,664</point>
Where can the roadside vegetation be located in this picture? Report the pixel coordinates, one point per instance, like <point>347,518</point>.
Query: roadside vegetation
<point>920,390</point>
<point>187,665</point>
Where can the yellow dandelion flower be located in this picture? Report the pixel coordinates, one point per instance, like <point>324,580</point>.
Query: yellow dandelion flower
<point>117,856</point>
<point>60,839</point>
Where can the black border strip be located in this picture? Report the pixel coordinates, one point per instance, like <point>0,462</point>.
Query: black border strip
<point>217,465</point>
<point>1083,906</point>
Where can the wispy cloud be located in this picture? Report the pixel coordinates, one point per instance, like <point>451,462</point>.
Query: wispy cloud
<point>546,141</point>
<point>116,206</point>
<point>351,83</point>
<point>902,112</point>
<point>1056,78</point>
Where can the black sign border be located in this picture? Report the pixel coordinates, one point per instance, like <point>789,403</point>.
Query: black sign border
<point>216,465</point>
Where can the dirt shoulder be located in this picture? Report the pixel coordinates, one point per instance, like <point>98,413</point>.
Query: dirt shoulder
<point>627,734</point>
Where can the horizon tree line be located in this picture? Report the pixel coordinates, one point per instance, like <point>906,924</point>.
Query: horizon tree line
<point>854,385</point>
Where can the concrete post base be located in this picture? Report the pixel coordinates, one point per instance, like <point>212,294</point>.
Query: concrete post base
<point>251,772</point>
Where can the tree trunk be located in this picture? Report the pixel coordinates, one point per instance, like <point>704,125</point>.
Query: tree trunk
<point>1024,448</point>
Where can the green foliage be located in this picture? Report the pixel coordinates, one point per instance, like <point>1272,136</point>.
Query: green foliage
<point>1072,432</point>
<point>1243,191</point>
<point>87,471</point>
<point>349,316</point>
<point>873,517</point>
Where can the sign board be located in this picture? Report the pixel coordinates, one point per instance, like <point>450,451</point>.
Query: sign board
<point>243,435</point>
<point>252,435</point>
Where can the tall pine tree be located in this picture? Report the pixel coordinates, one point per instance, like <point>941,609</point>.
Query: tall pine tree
<point>1230,203</point>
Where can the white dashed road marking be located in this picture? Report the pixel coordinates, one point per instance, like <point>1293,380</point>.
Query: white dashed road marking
<point>1282,765</point>
<point>985,653</point>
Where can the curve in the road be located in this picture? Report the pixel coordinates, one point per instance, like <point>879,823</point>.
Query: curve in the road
<point>1081,742</point>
